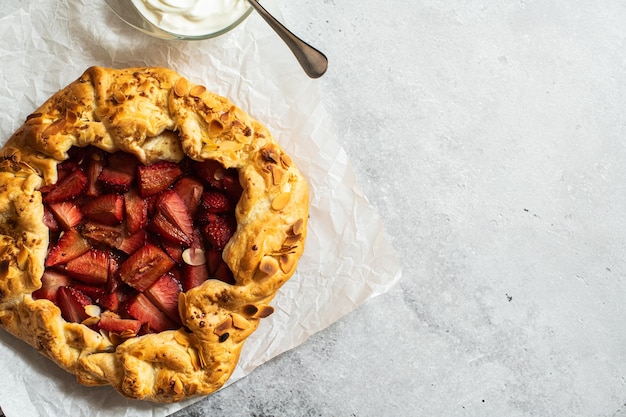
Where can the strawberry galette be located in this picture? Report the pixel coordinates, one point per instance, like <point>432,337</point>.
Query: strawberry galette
<point>145,226</point>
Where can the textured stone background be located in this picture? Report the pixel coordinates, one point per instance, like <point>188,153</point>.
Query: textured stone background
<point>490,137</point>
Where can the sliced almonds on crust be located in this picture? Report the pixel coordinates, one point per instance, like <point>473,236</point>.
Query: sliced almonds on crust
<point>155,115</point>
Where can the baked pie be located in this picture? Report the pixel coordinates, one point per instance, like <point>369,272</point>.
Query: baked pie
<point>145,226</point>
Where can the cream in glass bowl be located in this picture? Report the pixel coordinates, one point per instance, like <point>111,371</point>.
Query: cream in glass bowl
<point>182,19</point>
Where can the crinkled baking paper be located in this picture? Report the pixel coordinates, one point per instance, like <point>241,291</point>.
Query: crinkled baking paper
<point>347,259</point>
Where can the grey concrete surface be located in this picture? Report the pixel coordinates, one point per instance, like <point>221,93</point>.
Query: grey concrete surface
<point>489,135</point>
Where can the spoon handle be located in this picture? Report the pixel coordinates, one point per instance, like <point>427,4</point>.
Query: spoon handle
<point>312,61</point>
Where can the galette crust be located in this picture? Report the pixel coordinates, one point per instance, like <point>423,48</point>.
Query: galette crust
<point>155,114</point>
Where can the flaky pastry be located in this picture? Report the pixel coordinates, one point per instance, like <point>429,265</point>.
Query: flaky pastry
<point>155,115</point>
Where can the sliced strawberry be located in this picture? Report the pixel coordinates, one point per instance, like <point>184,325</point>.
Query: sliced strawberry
<point>144,267</point>
<point>113,301</point>
<point>164,294</point>
<point>172,220</point>
<point>94,293</point>
<point>51,281</point>
<point>232,186</point>
<point>210,171</point>
<point>130,244</point>
<point>197,242</point>
<point>77,154</point>
<point>145,215</point>
<point>190,190</point>
<point>213,260</point>
<point>151,202</point>
<point>160,226</point>
<point>123,162</point>
<point>192,276</point>
<point>67,214</point>
<point>136,210</point>
<point>219,230</point>
<point>115,181</point>
<point>111,236</point>
<point>72,303</point>
<point>223,273</point>
<point>69,246</point>
<point>154,178</point>
<point>68,188</point>
<point>114,281</point>
<point>49,220</point>
<point>143,310</point>
<point>114,263</point>
<point>106,209</point>
<point>91,268</point>
<point>214,201</point>
<point>65,168</point>
<point>114,323</point>
<point>173,250</point>
<point>47,188</point>
<point>94,165</point>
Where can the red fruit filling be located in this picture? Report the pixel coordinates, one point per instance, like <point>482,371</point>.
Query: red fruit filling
<point>127,238</point>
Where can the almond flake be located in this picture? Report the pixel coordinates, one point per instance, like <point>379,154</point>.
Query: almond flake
<point>35,118</point>
<point>291,241</point>
<point>286,263</point>
<point>195,360</point>
<point>178,386</point>
<point>90,321</point>
<point>221,328</point>
<point>215,127</point>
<point>127,334</point>
<point>22,257</point>
<point>54,128</point>
<point>231,146</point>
<point>203,363</point>
<point>71,117</point>
<point>218,174</point>
<point>102,112</point>
<point>92,310</point>
<point>297,227</point>
<point>277,174</point>
<point>194,256</point>
<point>250,309</point>
<point>181,88</point>
<point>242,138</point>
<point>209,145</point>
<point>281,201</point>
<point>285,160</point>
<point>264,311</point>
<point>181,337</point>
<point>119,97</point>
<point>239,322</point>
<point>115,338</point>
<point>269,265</point>
<point>145,86</point>
<point>197,90</point>
<point>193,387</point>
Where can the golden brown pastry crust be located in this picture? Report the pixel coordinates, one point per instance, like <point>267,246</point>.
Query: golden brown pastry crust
<point>154,114</point>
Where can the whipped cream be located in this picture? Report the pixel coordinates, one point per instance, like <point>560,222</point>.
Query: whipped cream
<point>191,17</point>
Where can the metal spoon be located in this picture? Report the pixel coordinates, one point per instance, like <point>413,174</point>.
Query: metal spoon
<point>312,61</point>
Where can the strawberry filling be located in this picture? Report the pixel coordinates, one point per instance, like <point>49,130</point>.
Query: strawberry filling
<point>127,238</point>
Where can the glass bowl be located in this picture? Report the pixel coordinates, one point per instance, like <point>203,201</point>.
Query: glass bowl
<point>129,13</point>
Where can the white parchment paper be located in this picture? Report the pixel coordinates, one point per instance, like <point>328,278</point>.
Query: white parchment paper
<point>347,259</point>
